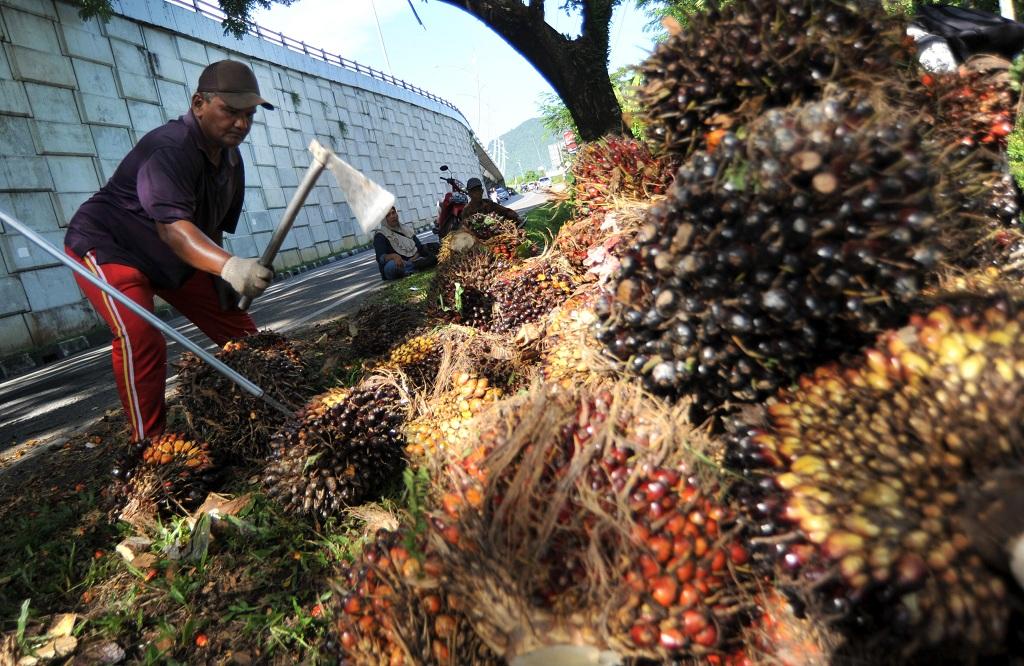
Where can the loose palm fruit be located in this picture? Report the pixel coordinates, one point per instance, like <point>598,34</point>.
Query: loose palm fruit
<point>345,449</point>
<point>857,475</point>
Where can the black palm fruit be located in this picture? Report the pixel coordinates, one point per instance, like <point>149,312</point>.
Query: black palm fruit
<point>856,479</point>
<point>778,251</point>
<point>527,295</point>
<point>730,63</point>
<point>345,449</point>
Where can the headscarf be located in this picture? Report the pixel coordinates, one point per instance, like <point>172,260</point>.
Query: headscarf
<point>401,239</point>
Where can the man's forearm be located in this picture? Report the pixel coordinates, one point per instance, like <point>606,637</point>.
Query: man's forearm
<point>193,246</point>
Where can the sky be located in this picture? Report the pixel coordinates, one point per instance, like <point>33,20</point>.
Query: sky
<point>455,57</point>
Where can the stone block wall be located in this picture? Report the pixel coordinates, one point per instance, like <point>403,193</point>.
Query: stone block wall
<point>76,95</point>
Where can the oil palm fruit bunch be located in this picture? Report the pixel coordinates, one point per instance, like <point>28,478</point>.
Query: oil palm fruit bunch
<point>525,295</point>
<point>461,287</point>
<point>855,478</point>
<point>562,525</point>
<point>729,63</point>
<point>486,227</point>
<point>802,241</point>
<point>446,427</point>
<point>419,358</point>
<point>394,320</point>
<point>393,609</point>
<point>173,472</point>
<point>614,168</point>
<point>569,350</point>
<point>227,417</point>
<point>345,449</point>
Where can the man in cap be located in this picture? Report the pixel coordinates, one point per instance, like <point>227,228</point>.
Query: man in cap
<point>156,229</point>
<point>479,205</point>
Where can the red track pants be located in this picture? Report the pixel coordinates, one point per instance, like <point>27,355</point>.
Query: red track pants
<point>139,349</point>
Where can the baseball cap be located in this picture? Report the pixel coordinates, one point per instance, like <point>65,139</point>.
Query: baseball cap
<point>473,183</point>
<point>233,82</point>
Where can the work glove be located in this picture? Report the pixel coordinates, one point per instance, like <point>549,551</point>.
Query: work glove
<point>246,276</point>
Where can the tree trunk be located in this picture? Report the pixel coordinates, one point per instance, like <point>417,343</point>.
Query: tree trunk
<point>576,68</point>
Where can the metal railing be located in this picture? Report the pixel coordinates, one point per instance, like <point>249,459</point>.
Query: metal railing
<point>215,12</point>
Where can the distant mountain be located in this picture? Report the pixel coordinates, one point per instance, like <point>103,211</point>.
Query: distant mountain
<point>527,148</point>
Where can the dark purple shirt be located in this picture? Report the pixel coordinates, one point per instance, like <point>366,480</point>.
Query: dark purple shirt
<point>166,177</point>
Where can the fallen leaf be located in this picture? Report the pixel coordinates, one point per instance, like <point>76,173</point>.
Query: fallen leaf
<point>62,625</point>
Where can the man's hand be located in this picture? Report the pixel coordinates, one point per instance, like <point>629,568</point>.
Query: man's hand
<point>246,276</point>
<point>397,258</point>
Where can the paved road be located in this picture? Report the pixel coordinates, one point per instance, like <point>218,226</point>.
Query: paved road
<point>52,402</point>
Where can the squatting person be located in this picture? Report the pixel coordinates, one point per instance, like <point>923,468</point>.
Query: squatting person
<point>156,228</point>
<point>398,250</point>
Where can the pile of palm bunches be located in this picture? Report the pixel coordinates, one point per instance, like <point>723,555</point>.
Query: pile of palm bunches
<point>395,611</point>
<point>856,476</point>
<point>446,426</point>
<point>461,287</point>
<point>616,168</point>
<point>971,108</point>
<point>173,472</point>
<point>525,295</point>
<point>418,358</point>
<point>730,63</point>
<point>576,237</point>
<point>487,227</point>
<point>379,325</point>
<point>230,419</point>
<point>345,449</point>
<point>562,525</point>
<point>777,252</point>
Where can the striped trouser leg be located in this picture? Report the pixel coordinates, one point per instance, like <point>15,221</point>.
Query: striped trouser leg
<point>139,350</point>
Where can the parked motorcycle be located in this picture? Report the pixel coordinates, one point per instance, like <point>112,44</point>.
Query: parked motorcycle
<point>449,209</point>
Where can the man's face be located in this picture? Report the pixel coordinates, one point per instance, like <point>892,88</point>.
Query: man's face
<point>222,125</point>
<point>392,218</point>
<point>476,194</point>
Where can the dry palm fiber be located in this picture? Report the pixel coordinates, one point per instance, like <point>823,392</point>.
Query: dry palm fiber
<point>591,243</point>
<point>782,250</point>
<point>173,473</point>
<point>475,369</point>
<point>782,635</point>
<point>378,327</point>
<point>234,422</point>
<point>570,354</point>
<point>855,478</point>
<point>344,449</point>
<point>615,168</point>
<point>579,520</point>
<point>391,608</point>
<point>528,292</point>
<point>730,63</point>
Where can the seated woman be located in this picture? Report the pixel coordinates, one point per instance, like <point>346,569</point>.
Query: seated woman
<point>398,250</point>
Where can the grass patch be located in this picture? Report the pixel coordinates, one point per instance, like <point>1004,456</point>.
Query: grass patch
<point>410,290</point>
<point>1015,155</point>
<point>543,222</point>
<point>53,547</point>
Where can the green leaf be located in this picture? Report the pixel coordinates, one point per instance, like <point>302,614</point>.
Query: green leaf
<point>23,620</point>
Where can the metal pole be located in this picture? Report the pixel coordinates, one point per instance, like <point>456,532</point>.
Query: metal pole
<point>150,318</point>
<point>283,227</point>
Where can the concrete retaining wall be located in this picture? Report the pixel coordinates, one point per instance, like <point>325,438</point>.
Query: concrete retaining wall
<point>75,96</point>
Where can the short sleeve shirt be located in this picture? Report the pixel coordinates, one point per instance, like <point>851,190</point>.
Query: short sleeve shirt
<point>166,177</point>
